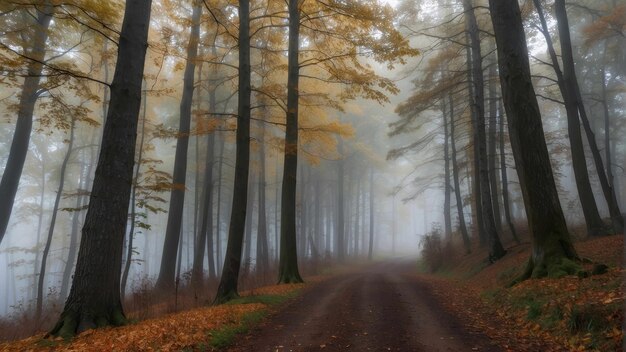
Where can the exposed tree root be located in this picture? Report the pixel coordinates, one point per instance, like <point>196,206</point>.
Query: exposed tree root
<point>72,322</point>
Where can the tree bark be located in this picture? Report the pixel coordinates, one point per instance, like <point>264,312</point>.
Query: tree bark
<point>551,243</point>
<point>505,181</point>
<point>55,209</point>
<point>446,174</point>
<point>457,183</point>
<point>491,152</point>
<point>24,125</point>
<point>227,289</point>
<point>566,80</point>
<point>167,274</point>
<point>133,193</point>
<point>370,250</point>
<point>94,298</point>
<point>262,253</point>
<point>340,226</point>
<point>496,251</point>
<point>288,263</point>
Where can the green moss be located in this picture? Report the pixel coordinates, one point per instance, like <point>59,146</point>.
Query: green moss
<point>225,335</point>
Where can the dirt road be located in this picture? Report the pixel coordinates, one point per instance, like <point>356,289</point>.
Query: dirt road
<point>382,307</point>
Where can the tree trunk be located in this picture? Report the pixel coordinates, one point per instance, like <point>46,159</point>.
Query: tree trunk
<point>566,80</point>
<point>24,125</point>
<point>55,209</point>
<point>340,226</point>
<point>457,183</point>
<point>370,250</point>
<point>288,262</point>
<point>204,236</point>
<point>39,224</point>
<point>446,175</point>
<point>94,298</point>
<point>551,244</point>
<point>505,182</point>
<point>262,253</point>
<point>491,153</point>
<point>133,194</point>
<point>496,251</point>
<point>218,211</point>
<point>227,289</point>
<point>247,247</point>
<point>167,273</point>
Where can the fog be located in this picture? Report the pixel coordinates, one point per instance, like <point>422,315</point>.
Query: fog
<point>388,156</point>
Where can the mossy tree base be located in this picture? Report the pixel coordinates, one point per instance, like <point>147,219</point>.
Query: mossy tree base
<point>73,322</point>
<point>290,278</point>
<point>225,296</point>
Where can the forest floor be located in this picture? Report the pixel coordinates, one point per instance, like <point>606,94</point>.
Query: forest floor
<point>391,306</point>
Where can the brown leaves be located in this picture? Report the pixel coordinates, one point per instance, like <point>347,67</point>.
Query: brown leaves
<point>174,332</point>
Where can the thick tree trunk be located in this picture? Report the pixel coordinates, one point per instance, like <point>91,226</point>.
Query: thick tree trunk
<point>496,251</point>
<point>94,298</point>
<point>53,220</point>
<point>288,262</point>
<point>505,181</point>
<point>456,178</point>
<point>551,243</point>
<point>24,125</point>
<point>227,289</point>
<point>167,274</point>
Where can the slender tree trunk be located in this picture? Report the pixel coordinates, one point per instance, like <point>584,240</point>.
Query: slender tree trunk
<point>357,219</point>
<point>133,193</point>
<point>167,273</point>
<point>370,249</point>
<point>288,263</point>
<point>551,243</point>
<point>262,254</point>
<point>24,125</point>
<point>39,224</point>
<point>218,211</point>
<point>204,236</point>
<point>71,256</point>
<point>340,226</point>
<point>446,175</point>
<point>228,284</point>
<point>491,153</point>
<point>94,298</point>
<point>496,251</point>
<point>474,176</point>
<point>456,178</point>
<point>566,80</point>
<point>505,182</point>
<point>247,257</point>
<point>55,209</point>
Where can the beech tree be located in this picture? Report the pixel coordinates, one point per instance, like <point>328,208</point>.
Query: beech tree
<point>94,298</point>
<point>552,247</point>
<point>167,273</point>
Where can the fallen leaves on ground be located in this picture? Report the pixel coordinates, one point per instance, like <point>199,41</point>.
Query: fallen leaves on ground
<point>173,332</point>
<point>566,314</point>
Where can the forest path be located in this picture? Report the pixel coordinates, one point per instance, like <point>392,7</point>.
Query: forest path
<point>380,307</point>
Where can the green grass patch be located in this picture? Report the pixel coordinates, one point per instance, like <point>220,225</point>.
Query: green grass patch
<point>225,335</point>
<point>269,300</point>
